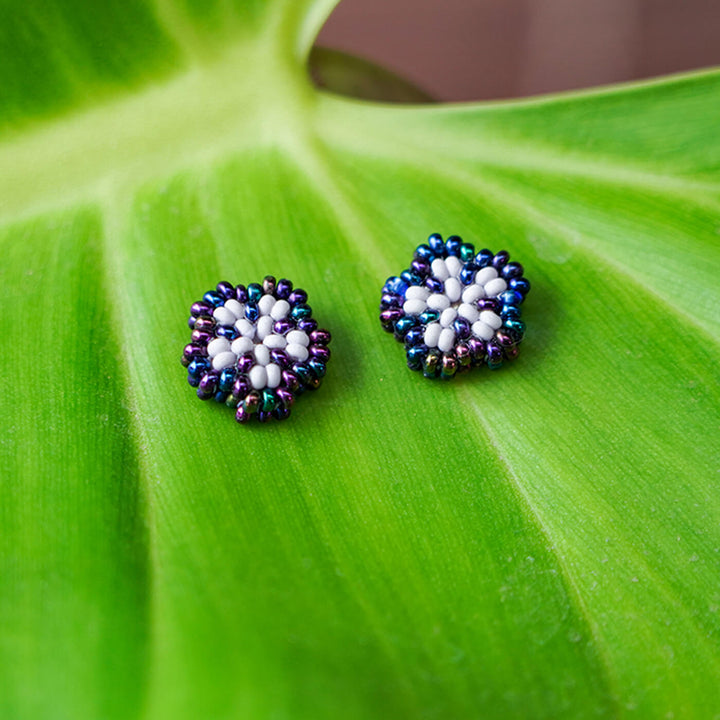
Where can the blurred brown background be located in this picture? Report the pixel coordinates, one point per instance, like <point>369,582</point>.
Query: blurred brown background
<point>480,49</point>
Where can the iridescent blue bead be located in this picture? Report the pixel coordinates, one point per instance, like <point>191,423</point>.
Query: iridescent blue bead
<point>510,312</point>
<point>516,326</point>
<point>193,380</point>
<point>281,412</point>
<point>484,258</point>
<point>226,290</point>
<point>410,277</point>
<point>241,293</point>
<point>500,260</point>
<point>220,396</point>
<point>213,298</point>
<point>467,274</point>
<point>264,416</point>
<point>424,252</point>
<point>301,311</point>
<point>403,325</point>
<point>298,297</point>
<point>512,270</point>
<point>521,285</point>
<point>227,379</point>
<point>227,332</point>
<point>467,252</point>
<point>420,268</point>
<point>252,313</point>
<point>268,400</point>
<point>510,297</point>
<point>307,324</point>
<point>435,241</point>
<point>462,328</point>
<point>415,356</point>
<point>395,285</point>
<point>317,367</point>
<point>254,292</point>
<point>429,316</point>
<point>283,289</point>
<point>434,285</point>
<point>453,244</point>
<point>414,336</point>
<point>302,370</point>
<point>198,367</point>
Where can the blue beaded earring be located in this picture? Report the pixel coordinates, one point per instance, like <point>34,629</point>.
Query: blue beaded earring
<point>455,309</point>
<point>255,348</point>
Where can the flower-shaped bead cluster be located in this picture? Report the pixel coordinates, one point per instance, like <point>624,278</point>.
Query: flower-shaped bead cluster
<point>255,348</point>
<point>455,309</point>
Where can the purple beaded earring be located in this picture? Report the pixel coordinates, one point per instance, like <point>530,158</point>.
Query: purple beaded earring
<point>455,309</point>
<point>255,348</point>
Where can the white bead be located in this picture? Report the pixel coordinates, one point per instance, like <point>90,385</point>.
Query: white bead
<point>262,354</point>
<point>495,287</point>
<point>264,327</point>
<point>438,301</point>
<point>242,345</point>
<point>224,360</point>
<point>416,292</point>
<point>275,341</point>
<point>453,289</point>
<point>454,265</point>
<point>414,307</point>
<point>446,340</point>
<point>469,312</point>
<point>439,269</point>
<point>217,346</point>
<point>491,319</point>
<point>297,351</point>
<point>482,331</point>
<point>274,375</point>
<point>298,337</point>
<point>224,316</point>
<point>473,293</point>
<point>266,304</point>
<point>485,275</point>
<point>280,310</point>
<point>258,377</point>
<point>432,334</point>
<point>245,328</point>
<point>447,317</point>
<point>236,308</point>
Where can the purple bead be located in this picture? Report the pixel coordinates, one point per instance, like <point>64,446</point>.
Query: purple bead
<point>390,300</point>
<point>283,327</point>
<point>290,380</point>
<point>500,259</point>
<point>298,297</point>
<point>241,387</point>
<point>307,325</point>
<point>280,357</point>
<point>281,412</point>
<point>320,337</point>
<point>264,416</point>
<point>421,267</point>
<point>208,386</point>
<point>489,304</point>
<point>244,363</point>
<point>462,327</point>
<point>283,289</point>
<point>191,322</point>
<point>200,337</point>
<point>192,351</point>
<point>476,347</point>
<point>242,415</point>
<point>285,396</point>
<point>201,308</point>
<point>434,285</point>
<point>241,293</point>
<point>226,290</point>
<point>319,352</point>
<point>206,324</point>
<point>494,354</point>
<point>390,316</point>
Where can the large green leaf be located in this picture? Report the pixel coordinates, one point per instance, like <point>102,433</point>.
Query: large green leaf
<point>543,541</point>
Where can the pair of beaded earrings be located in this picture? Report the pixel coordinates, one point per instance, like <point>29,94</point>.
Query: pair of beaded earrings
<point>257,348</point>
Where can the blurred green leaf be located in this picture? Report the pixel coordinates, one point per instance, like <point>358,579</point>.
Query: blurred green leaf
<point>540,542</point>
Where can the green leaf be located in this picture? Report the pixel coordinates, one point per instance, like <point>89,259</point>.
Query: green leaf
<point>539,542</point>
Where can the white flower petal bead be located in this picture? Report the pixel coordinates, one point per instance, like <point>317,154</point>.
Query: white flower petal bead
<point>258,377</point>
<point>440,269</point>
<point>438,301</point>
<point>277,342</point>
<point>417,292</point>
<point>280,310</point>
<point>223,316</point>
<point>264,327</point>
<point>236,308</point>
<point>224,360</point>
<point>469,312</point>
<point>446,341</point>
<point>473,293</point>
<point>495,287</point>
<point>245,328</point>
<point>447,317</point>
<point>482,331</point>
<point>298,337</point>
<point>274,375</point>
<point>491,319</point>
<point>485,275</point>
<point>217,346</point>
<point>297,351</point>
<point>262,354</point>
<point>454,265</point>
<point>453,289</point>
<point>414,307</point>
<point>432,334</point>
<point>242,345</point>
<point>266,304</point>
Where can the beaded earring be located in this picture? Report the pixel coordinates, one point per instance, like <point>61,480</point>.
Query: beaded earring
<point>255,348</point>
<point>455,309</point>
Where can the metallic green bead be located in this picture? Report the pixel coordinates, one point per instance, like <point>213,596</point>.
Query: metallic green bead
<point>467,252</point>
<point>269,401</point>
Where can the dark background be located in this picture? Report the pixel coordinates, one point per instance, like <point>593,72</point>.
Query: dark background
<point>480,49</point>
